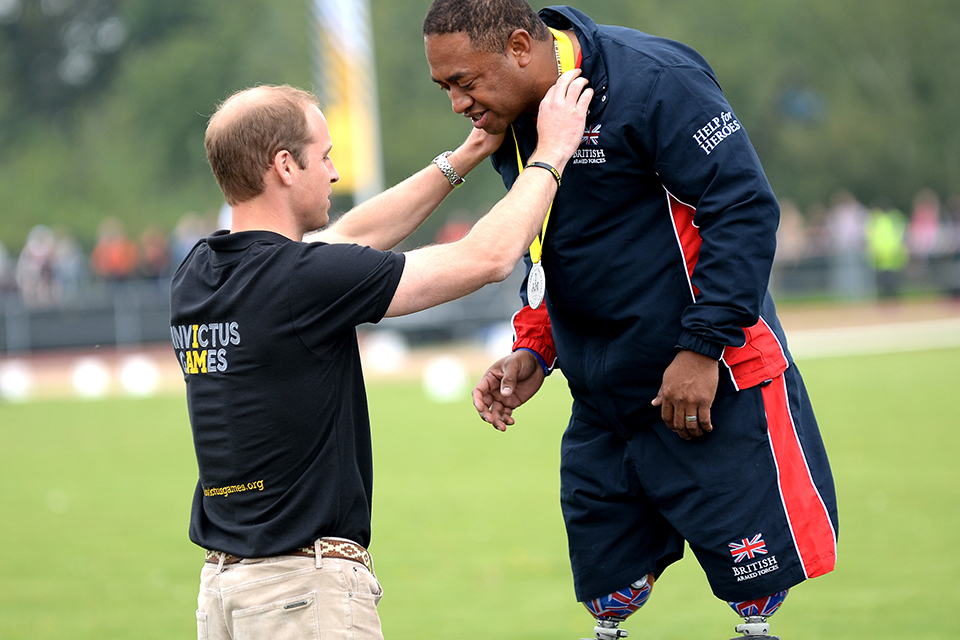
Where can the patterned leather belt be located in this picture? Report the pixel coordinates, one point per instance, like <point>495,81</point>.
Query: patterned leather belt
<point>329,548</point>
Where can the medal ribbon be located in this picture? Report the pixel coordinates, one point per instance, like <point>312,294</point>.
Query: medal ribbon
<point>567,62</point>
<point>565,47</point>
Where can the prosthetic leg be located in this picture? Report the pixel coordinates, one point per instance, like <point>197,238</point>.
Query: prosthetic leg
<point>755,614</point>
<point>613,609</point>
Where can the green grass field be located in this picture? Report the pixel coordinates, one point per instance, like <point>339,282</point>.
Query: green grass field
<point>468,539</point>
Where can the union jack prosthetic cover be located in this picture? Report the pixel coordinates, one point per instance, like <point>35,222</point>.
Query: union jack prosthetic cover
<point>765,607</point>
<point>619,604</point>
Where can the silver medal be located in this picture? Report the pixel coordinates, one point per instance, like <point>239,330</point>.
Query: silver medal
<point>536,285</point>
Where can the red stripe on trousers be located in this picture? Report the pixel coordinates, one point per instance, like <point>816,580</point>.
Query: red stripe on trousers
<point>809,521</point>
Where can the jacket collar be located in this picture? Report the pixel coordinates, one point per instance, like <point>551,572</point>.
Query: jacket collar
<point>561,17</point>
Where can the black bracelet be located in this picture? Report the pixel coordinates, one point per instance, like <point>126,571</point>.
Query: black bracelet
<point>544,165</point>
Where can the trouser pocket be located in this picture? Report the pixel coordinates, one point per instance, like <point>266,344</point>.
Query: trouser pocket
<point>295,617</point>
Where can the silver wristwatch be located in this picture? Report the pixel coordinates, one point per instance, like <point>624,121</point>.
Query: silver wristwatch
<point>448,170</point>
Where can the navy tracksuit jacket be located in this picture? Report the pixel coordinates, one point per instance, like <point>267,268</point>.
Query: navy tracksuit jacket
<point>665,203</point>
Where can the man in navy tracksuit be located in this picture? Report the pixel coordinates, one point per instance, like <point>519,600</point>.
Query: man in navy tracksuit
<point>656,259</point>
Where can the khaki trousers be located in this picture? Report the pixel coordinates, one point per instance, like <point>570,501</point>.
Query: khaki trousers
<point>288,597</point>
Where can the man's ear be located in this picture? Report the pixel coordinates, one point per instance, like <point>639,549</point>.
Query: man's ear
<point>520,47</point>
<point>284,166</point>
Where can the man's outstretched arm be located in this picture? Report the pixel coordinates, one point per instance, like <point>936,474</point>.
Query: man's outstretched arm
<point>389,217</point>
<point>491,250</point>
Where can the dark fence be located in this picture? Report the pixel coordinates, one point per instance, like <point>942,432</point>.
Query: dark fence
<point>102,313</point>
<point>849,276</point>
<point>137,312</point>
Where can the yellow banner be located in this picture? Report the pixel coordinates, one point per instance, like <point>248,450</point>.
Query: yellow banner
<point>347,88</point>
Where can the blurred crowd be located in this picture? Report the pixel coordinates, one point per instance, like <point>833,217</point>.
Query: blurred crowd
<point>53,269</point>
<point>872,248</point>
<point>869,249</point>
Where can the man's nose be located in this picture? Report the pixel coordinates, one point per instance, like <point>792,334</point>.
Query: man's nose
<point>460,100</point>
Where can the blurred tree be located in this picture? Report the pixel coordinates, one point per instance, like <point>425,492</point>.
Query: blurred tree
<point>134,146</point>
<point>854,95</point>
<point>56,53</point>
<point>103,103</point>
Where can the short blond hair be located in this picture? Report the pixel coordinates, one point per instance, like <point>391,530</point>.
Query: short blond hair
<point>248,129</point>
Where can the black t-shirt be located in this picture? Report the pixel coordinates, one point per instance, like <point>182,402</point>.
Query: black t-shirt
<point>265,331</point>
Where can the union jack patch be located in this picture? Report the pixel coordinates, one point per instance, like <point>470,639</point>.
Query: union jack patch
<point>748,548</point>
<point>591,135</point>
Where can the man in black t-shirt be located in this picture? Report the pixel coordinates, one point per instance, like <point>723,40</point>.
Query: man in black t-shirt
<point>264,327</point>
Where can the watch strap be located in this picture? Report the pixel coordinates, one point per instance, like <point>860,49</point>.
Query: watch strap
<point>448,171</point>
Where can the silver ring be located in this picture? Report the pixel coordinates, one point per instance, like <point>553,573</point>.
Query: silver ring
<point>690,418</point>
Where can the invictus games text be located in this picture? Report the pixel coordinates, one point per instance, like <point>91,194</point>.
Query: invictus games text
<point>234,488</point>
<point>204,348</point>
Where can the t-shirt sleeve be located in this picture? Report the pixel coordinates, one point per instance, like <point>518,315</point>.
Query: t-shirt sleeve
<point>335,287</point>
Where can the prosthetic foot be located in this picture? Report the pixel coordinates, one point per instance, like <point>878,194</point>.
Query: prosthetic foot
<point>754,626</point>
<point>613,609</point>
<point>609,629</point>
<point>755,614</point>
